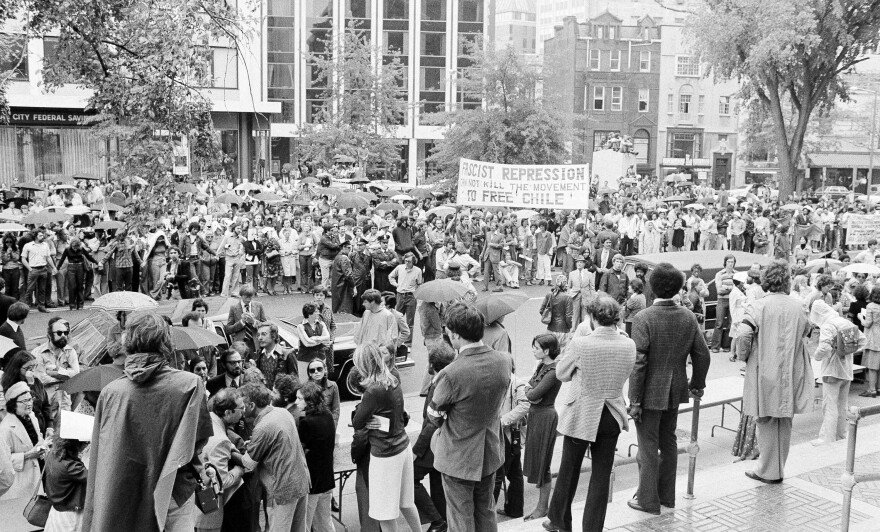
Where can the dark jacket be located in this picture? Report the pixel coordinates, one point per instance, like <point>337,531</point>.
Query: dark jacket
<point>665,335</point>
<point>328,247</point>
<point>16,336</point>
<point>560,311</point>
<point>317,432</point>
<point>65,483</point>
<point>422,452</point>
<point>5,303</point>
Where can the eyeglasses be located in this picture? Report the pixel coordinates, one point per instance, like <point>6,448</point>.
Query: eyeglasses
<point>234,362</point>
<point>316,370</point>
<point>26,401</point>
<point>61,333</point>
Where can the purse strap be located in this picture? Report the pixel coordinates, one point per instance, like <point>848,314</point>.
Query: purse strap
<point>42,479</point>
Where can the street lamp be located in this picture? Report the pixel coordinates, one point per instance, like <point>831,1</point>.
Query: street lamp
<point>870,146</point>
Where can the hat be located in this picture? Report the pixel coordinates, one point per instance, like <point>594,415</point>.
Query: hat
<point>741,276</point>
<point>17,390</point>
<point>580,258</point>
<point>737,214</point>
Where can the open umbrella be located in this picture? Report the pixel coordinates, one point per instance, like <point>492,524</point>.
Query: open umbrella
<point>826,265</point>
<point>388,193</point>
<point>525,213</point>
<point>359,179</point>
<point>268,197</point>
<point>248,187</point>
<point>11,227</point>
<point>108,206</point>
<point>791,207</point>
<point>89,177</point>
<point>324,173</point>
<point>299,202</point>
<point>442,210</point>
<point>441,291</point>
<point>109,225</point>
<point>309,180</point>
<point>135,180</point>
<point>7,345</point>
<point>43,218</point>
<point>496,306</point>
<point>191,338</point>
<point>186,188</point>
<point>77,209</point>
<point>675,198</point>
<point>231,199</point>
<point>351,201</point>
<point>18,201</point>
<point>859,267</point>
<point>124,301</point>
<point>340,158</point>
<point>421,193</point>
<point>92,379</point>
<point>63,187</point>
<point>8,216</point>
<point>697,206</point>
<point>389,206</point>
<point>28,186</point>
<point>328,191</point>
<point>369,196</point>
<point>402,197</point>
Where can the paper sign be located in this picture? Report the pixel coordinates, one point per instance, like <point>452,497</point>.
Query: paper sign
<point>556,186</point>
<point>861,228</point>
<point>76,426</point>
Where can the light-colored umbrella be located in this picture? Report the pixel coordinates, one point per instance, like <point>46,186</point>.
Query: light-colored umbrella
<point>10,217</point>
<point>191,338</point>
<point>248,187</point>
<point>186,188</point>
<point>402,197</point>
<point>43,218</point>
<point>421,193</point>
<point>109,225</point>
<point>442,210</point>
<point>369,196</point>
<point>77,209</point>
<point>309,180</point>
<point>389,206</point>
<point>63,187</point>
<point>351,201</point>
<point>388,193</point>
<point>231,199</point>
<point>859,267</point>
<point>791,207</point>
<point>135,180</point>
<point>441,291</point>
<point>11,227</point>
<point>525,213</point>
<point>268,197</point>
<point>124,301</point>
<point>826,265</point>
<point>495,306</point>
<point>697,206</point>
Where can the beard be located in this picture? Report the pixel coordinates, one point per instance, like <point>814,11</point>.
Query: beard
<point>60,343</point>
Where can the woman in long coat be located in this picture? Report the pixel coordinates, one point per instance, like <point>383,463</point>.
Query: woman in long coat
<point>561,310</point>
<point>779,376</point>
<point>21,432</point>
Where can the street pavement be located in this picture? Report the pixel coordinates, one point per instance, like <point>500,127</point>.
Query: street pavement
<point>721,487</point>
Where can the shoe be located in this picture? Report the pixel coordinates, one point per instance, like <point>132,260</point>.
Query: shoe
<point>72,307</point>
<point>753,476</point>
<point>541,283</point>
<point>714,349</point>
<point>668,504</point>
<point>550,527</point>
<point>634,504</point>
<point>440,526</point>
<point>485,289</point>
<point>79,307</point>
<point>505,513</point>
<point>42,309</point>
<point>534,515</point>
<point>334,506</point>
<point>726,350</point>
<point>868,393</point>
<point>497,289</point>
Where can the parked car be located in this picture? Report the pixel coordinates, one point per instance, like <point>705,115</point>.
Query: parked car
<point>711,261</point>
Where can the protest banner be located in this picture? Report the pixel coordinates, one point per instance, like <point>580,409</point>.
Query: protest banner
<point>861,228</point>
<point>555,186</point>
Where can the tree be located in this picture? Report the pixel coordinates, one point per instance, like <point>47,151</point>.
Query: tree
<point>512,126</point>
<point>145,64</point>
<point>364,102</point>
<point>790,55</point>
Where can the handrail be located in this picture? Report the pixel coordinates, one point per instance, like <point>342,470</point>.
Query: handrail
<point>849,479</point>
<point>693,448</point>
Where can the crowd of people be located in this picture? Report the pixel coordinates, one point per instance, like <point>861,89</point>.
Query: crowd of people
<point>245,437</point>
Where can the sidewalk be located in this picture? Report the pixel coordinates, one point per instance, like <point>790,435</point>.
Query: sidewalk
<point>726,500</point>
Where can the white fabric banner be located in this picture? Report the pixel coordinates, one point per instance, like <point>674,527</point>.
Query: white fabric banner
<point>861,228</point>
<point>554,186</point>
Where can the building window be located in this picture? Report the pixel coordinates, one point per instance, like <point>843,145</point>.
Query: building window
<point>434,10</point>
<point>644,95</point>
<point>684,104</point>
<point>396,10</point>
<point>433,79</point>
<point>724,106</point>
<point>594,59</point>
<point>669,103</point>
<point>49,51</point>
<point>612,32</point>
<point>470,10</point>
<point>224,67</point>
<point>687,65</point>
<point>599,138</point>
<point>13,56</point>
<point>644,61</point>
<point>683,144</point>
<point>600,32</point>
<point>357,8</point>
<point>616,98</point>
<point>433,44</point>
<point>396,41</point>
<point>615,60</point>
<point>701,104</point>
<point>598,98</point>
<point>642,146</point>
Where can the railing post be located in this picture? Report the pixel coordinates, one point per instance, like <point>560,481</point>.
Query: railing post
<point>847,478</point>
<point>693,448</point>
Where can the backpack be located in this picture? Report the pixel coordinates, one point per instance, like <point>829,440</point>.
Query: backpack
<point>847,341</point>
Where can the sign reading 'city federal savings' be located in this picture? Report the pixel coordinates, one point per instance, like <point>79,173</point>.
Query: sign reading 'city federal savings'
<point>554,186</point>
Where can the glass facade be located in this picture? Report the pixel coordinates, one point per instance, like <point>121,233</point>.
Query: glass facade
<point>282,57</point>
<point>27,152</point>
<point>319,33</point>
<point>432,57</point>
<point>470,30</point>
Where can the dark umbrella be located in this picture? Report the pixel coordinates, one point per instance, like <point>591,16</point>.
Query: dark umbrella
<point>496,306</point>
<point>194,338</point>
<point>28,186</point>
<point>92,380</point>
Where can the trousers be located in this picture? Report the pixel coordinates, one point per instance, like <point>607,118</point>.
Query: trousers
<point>470,506</point>
<point>774,439</point>
<point>511,469</point>
<point>834,398</point>
<point>657,457</point>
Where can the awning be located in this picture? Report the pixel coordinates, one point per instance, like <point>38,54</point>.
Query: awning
<point>842,160</point>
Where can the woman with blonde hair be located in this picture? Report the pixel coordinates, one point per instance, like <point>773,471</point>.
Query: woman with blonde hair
<point>381,411</point>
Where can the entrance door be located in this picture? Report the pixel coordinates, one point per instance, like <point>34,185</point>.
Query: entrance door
<point>721,171</point>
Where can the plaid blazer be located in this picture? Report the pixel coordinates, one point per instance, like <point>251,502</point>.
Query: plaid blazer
<point>665,334</point>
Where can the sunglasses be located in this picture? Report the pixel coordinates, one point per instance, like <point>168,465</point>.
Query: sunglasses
<point>316,370</point>
<point>61,333</point>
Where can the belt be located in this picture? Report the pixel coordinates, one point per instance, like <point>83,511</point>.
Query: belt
<point>39,267</point>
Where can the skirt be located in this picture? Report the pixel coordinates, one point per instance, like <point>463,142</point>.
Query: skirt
<point>540,439</point>
<point>391,485</point>
<point>871,359</point>
<point>745,447</point>
<point>288,265</point>
<point>64,521</point>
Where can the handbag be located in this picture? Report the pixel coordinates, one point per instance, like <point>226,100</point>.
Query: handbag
<point>547,316</point>
<point>208,496</point>
<point>37,509</point>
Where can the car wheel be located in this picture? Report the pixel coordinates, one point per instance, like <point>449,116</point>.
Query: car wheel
<point>350,380</point>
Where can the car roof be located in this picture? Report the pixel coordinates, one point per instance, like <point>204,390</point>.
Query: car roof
<point>683,260</point>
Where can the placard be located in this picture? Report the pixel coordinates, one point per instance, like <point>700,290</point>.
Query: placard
<point>555,186</point>
<point>861,228</point>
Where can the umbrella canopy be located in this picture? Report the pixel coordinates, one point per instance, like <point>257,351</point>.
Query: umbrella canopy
<point>18,201</point>
<point>28,186</point>
<point>135,180</point>
<point>859,267</point>
<point>497,306</point>
<point>109,206</point>
<point>299,202</point>
<point>186,188</point>
<point>268,197</point>
<point>8,227</point>
<point>351,201</point>
<point>441,291</point>
<point>10,217</point>
<point>388,193</point>
<point>89,177</point>
<point>43,218</point>
<point>7,345</point>
<point>369,196</point>
<point>77,209</point>
<point>231,199</point>
<point>826,265</point>
<point>328,191</point>
<point>63,187</point>
<point>421,193</point>
<point>442,210</point>
<point>697,206</point>
<point>791,207</point>
<point>124,301</point>
<point>675,198</point>
<point>109,225</point>
<point>194,338</point>
<point>309,180</point>
<point>340,158</point>
<point>525,213</point>
<point>389,206</point>
<point>247,187</point>
<point>92,379</point>
<point>359,179</point>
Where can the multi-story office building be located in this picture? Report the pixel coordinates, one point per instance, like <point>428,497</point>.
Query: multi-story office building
<point>46,134</point>
<point>429,35</point>
<point>515,27</point>
<point>609,73</point>
<point>698,124</point>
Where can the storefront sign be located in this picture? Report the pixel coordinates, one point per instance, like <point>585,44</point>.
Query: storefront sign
<point>861,228</point>
<point>35,116</point>
<point>513,185</point>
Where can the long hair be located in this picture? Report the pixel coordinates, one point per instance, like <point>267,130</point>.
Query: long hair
<point>12,374</point>
<point>148,333</point>
<point>314,398</point>
<point>70,449</point>
<point>369,363</point>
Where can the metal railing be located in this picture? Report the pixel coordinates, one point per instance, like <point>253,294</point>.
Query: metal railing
<point>849,478</point>
<point>693,448</point>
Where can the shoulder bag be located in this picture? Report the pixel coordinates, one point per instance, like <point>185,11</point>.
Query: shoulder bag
<point>37,509</point>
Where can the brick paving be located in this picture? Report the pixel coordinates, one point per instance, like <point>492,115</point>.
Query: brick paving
<point>766,508</point>
<point>829,477</point>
